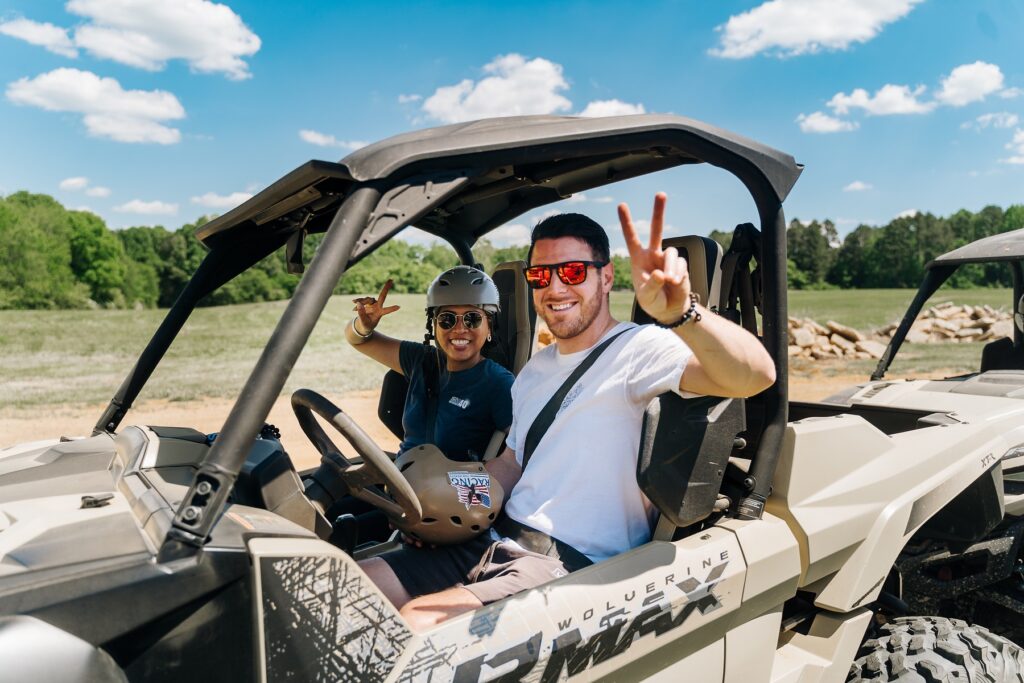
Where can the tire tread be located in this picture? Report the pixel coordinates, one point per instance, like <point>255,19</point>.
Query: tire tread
<point>937,650</point>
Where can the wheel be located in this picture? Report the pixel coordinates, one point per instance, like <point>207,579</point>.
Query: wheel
<point>936,649</point>
<point>376,480</point>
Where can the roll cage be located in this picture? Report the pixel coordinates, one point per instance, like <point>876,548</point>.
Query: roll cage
<point>1007,247</point>
<point>458,183</point>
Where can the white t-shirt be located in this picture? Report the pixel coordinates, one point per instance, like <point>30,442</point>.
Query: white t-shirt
<point>580,484</point>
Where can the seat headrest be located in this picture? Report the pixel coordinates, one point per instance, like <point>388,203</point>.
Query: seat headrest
<point>704,258</point>
<point>516,321</point>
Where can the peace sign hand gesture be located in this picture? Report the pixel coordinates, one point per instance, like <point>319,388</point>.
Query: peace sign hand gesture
<point>371,310</point>
<point>661,279</point>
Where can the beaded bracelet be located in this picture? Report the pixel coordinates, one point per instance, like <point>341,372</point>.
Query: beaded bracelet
<point>691,314</point>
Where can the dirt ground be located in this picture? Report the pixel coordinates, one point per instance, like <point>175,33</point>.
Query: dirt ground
<point>209,415</point>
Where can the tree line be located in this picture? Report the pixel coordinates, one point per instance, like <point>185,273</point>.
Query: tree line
<point>893,255</point>
<point>52,257</point>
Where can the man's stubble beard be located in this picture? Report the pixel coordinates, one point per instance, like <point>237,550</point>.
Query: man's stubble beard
<point>590,309</point>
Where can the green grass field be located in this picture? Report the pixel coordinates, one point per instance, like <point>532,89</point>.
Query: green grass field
<point>50,358</point>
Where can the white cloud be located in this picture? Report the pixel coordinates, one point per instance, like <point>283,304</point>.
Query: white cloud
<point>889,99</point>
<point>1016,147</point>
<point>74,184</point>
<point>79,183</point>
<point>580,198</point>
<point>53,38</point>
<point>820,122</point>
<point>324,140</point>
<point>406,99</point>
<point>512,234</point>
<point>154,208</point>
<point>907,213</point>
<point>1002,119</point>
<point>965,84</point>
<point>857,186</point>
<point>218,201</point>
<point>795,27</point>
<point>611,108</point>
<point>148,33</point>
<point>970,83</point>
<point>547,214</point>
<point>1010,93</point>
<point>108,110</point>
<point>513,86</point>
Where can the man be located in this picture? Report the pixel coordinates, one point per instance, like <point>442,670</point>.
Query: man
<point>580,486</point>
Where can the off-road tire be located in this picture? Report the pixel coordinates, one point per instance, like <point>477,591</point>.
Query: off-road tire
<point>934,649</point>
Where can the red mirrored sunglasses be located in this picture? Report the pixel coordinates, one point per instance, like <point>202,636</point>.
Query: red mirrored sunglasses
<point>569,272</point>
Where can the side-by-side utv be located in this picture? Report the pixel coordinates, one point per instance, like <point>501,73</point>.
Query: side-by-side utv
<point>157,553</point>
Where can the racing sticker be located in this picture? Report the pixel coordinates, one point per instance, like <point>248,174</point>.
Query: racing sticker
<point>473,488</point>
<point>320,624</point>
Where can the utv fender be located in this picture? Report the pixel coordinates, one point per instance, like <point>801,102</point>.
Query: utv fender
<point>33,650</point>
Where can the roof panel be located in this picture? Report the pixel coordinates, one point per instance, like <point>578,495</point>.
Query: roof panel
<point>1007,246</point>
<point>541,146</point>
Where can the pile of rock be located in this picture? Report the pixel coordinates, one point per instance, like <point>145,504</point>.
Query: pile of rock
<point>948,322</point>
<point>544,336</point>
<point>943,323</point>
<point>809,339</point>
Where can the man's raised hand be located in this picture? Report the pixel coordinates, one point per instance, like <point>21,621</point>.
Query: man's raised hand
<point>371,310</point>
<point>661,279</point>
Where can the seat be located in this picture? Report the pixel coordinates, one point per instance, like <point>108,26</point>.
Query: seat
<point>513,333</point>
<point>1006,353</point>
<point>511,346</point>
<point>685,443</point>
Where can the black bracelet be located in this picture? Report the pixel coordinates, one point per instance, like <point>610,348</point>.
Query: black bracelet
<point>691,314</point>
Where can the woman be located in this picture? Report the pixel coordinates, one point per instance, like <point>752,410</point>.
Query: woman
<point>465,396</point>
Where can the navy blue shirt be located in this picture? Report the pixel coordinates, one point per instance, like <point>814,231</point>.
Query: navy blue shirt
<point>472,404</point>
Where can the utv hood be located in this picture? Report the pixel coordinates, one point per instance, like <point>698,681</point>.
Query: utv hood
<point>59,507</point>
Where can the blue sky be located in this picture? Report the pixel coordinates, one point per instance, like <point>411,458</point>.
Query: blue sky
<point>158,112</point>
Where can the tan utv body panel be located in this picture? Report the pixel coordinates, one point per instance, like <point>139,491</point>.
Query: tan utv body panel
<point>853,495</point>
<point>662,612</point>
<point>823,655</point>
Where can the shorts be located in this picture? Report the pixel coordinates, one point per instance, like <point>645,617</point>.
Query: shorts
<point>490,570</point>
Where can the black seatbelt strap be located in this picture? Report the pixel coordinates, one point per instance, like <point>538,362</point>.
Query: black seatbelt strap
<point>526,536</point>
<point>550,410</point>
<point>541,543</point>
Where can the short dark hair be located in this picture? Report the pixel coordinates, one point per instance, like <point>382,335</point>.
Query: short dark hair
<point>573,225</point>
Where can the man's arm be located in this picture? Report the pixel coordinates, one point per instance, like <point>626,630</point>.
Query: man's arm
<point>727,360</point>
<point>505,468</point>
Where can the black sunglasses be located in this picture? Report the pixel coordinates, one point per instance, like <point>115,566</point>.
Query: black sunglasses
<point>446,320</point>
<point>569,272</point>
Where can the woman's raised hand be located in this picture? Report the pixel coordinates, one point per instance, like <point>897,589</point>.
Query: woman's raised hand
<point>371,310</point>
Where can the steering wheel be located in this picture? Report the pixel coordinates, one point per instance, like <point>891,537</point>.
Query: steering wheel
<point>364,480</point>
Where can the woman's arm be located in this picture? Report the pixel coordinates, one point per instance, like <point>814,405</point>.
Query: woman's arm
<point>360,331</point>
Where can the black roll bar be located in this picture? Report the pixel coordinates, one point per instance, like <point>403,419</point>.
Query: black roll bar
<point>933,279</point>
<point>218,267</point>
<point>774,335</point>
<point>207,495</point>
